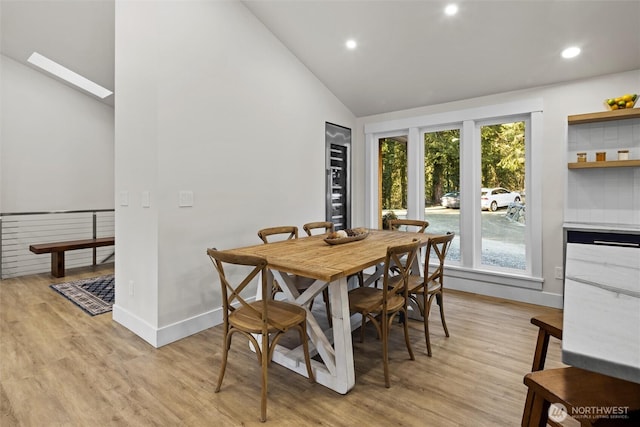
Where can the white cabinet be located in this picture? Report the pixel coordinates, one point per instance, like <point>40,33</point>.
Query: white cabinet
<point>604,192</point>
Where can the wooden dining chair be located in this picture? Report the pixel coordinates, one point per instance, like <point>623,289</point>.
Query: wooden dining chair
<point>288,232</point>
<point>415,225</point>
<point>422,290</point>
<point>412,225</point>
<point>285,232</point>
<point>262,322</point>
<point>380,306</point>
<point>326,226</point>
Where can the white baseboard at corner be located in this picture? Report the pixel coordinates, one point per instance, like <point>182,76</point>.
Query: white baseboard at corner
<point>513,293</point>
<point>159,337</point>
<point>184,328</point>
<point>135,324</point>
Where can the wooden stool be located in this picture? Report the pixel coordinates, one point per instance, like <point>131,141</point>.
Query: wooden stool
<point>590,398</point>
<point>550,325</point>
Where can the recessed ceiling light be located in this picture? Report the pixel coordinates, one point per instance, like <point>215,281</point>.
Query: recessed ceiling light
<point>571,52</point>
<point>451,9</point>
<point>67,75</point>
<point>351,44</point>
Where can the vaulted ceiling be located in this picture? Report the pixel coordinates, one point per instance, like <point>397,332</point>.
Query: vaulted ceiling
<point>409,53</point>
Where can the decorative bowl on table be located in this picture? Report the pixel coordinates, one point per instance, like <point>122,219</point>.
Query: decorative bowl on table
<point>346,236</point>
<point>620,103</point>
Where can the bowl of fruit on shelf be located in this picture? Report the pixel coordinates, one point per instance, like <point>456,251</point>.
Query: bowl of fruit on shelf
<point>620,103</point>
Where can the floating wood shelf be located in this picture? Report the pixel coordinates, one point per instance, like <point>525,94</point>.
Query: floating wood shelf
<point>604,116</point>
<point>605,164</point>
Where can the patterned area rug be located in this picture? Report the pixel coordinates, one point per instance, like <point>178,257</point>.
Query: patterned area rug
<point>95,296</point>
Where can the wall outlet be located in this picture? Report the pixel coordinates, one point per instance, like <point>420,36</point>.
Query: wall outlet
<point>130,288</point>
<point>559,274</point>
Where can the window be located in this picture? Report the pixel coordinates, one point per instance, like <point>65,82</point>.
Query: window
<point>442,185</point>
<point>501,198</point>
<point>393,176</point>
<point>458,155</point>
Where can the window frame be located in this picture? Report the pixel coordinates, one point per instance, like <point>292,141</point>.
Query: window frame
<point>468,121</point>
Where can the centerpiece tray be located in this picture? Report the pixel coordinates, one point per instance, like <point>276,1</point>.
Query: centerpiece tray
<point>342,240</point>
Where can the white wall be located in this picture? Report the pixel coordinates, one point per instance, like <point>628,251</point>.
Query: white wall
<point>559,101</point>
<point>208,101</point>
<point>56,144</point>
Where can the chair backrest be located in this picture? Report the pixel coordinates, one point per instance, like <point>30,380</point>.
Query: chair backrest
<point>285,232</point>
<point>327,226</point>
<point>397,268</point>
<point>439,246</point>
<point>415,225</point>
<point>232,287</point>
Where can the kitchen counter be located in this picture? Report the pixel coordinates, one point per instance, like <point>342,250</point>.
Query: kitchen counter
<point>601,330</point>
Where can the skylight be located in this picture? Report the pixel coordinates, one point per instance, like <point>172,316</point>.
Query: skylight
<point>67,75</point>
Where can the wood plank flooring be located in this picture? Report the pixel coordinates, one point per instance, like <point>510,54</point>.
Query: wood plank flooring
<point>62,367</point>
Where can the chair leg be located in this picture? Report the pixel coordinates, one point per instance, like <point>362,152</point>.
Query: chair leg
<point>537,414</point>
<point>223,365</point>
<point>406,336</point>
<point>440,301</point>
<point>427,310</point>
<point>305,347</point>
<point>325,297</point>
<point>541,350</point>
<point>385,350</point>
<point>264,369</point>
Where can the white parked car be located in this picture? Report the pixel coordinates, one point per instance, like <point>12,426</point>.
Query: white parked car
<point>494,198</point>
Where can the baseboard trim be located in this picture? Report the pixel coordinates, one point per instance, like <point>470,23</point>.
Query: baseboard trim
<point>512,293</point>
<point>184,328</point>
<point>135,324</point>
<point>159,337</point>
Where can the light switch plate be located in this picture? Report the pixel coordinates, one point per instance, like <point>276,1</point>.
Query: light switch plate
<point>145,199</point>
<point>185,198</point>
<point>124,198</point>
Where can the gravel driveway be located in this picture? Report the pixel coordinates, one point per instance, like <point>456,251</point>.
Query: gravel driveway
<point>502,240</point>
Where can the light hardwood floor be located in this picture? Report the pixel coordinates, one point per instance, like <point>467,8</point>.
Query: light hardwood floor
<point>62,367</point>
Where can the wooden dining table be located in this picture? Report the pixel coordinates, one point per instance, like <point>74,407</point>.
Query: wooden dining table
<point>323,265</point>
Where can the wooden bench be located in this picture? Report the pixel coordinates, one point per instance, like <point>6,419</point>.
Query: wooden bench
<point>57,250</point>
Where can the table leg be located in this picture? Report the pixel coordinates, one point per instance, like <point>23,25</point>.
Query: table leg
<point>336,371</point>
<point>57,264</point>
<point>341,320</point>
